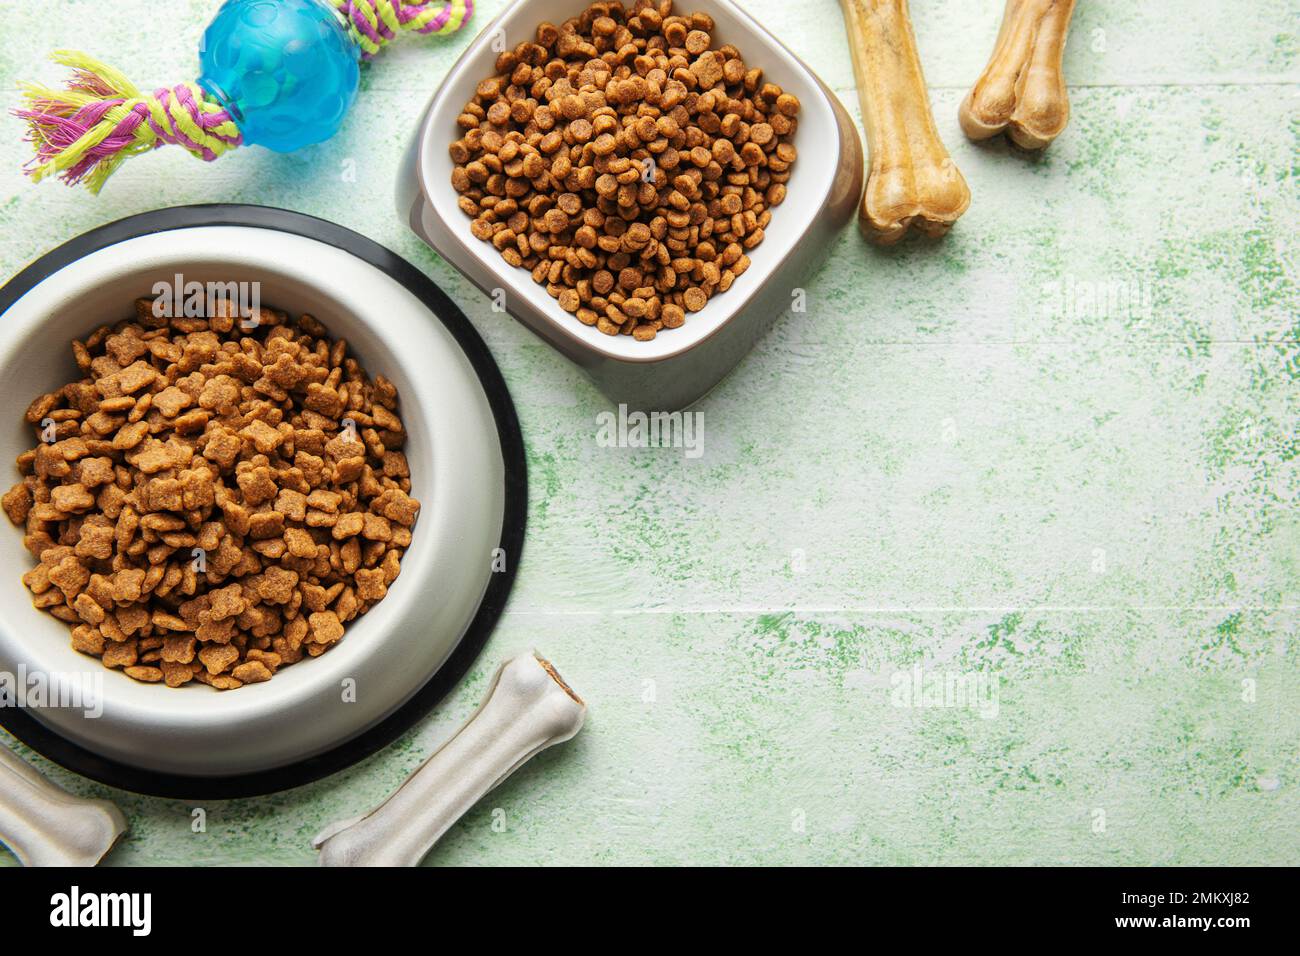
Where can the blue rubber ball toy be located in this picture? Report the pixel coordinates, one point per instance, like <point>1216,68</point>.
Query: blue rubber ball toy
<point>286,70</point>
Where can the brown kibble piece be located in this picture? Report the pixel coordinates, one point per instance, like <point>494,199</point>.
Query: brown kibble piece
<point>251,672</point>
<point>176,675</point>
<point>300,543</point>
<point>17,503</point>
<point>149,675</point>
<point>120,654</point>
<point>218,657</point>
<point>697,41</point>
<point>71,498</point>
<point>324,628</point>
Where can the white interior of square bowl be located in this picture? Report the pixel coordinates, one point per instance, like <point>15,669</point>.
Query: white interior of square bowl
<point>817,140</point>
<point>457,473</point>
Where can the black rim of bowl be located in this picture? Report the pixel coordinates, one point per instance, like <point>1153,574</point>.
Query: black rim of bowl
<point>46,742</point>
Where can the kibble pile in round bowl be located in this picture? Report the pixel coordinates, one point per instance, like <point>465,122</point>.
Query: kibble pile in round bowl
<point>627,162</point>
<point>216,498</point>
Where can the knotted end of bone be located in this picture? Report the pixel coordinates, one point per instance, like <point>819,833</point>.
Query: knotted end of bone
<point>1022,89</point>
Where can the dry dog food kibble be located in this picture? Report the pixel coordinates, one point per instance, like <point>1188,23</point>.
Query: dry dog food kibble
<point>210,501</point>
<point>626,162</point>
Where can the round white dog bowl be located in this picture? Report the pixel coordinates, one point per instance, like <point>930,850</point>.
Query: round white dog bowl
<point>467,470</point>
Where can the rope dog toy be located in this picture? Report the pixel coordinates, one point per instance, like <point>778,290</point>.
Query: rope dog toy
<point>275,73</point>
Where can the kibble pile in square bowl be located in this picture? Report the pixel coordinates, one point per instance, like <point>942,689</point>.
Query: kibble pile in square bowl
<point>627,161</point>
<point>216,497</point>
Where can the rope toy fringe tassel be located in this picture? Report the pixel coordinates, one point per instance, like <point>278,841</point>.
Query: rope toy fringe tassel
<point>83,133</point>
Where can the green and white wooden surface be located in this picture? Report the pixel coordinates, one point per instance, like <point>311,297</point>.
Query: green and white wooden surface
<point>959,457</point>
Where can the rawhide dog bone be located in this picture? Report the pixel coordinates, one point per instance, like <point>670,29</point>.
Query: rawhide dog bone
<point>911,179</point>
<point>45,825</point>
<point>528,708</point>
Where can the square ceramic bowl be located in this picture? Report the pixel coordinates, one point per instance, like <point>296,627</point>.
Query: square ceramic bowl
<point>193,740</point>
<point>679,365</point>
